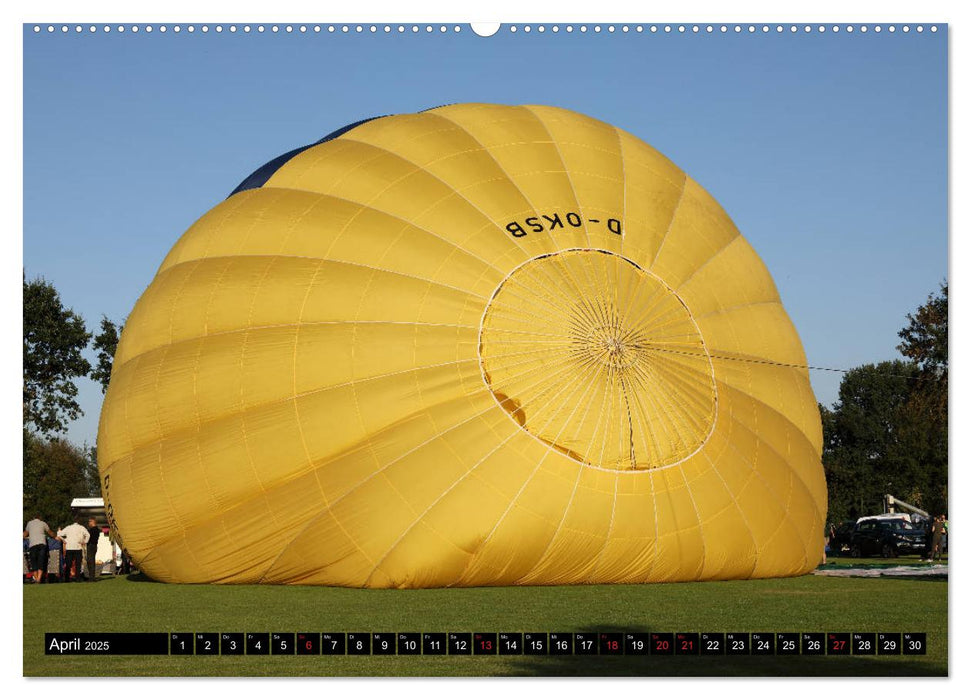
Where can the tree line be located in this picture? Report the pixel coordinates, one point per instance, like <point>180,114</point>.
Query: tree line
<point>886,433</point>
<point>55,338</point>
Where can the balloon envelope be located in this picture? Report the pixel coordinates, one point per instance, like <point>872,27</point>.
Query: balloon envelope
<point>477,345</point>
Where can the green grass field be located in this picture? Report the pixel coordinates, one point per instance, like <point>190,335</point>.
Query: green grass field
<point>805,604</point>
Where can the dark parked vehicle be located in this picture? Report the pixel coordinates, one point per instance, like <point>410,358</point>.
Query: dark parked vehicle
<point>886,538</point>
<point>841,539</point>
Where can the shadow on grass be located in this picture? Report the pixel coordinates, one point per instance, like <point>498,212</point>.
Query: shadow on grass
<point>737,666</point>
<point>936,578</point>
<point>928,577</point>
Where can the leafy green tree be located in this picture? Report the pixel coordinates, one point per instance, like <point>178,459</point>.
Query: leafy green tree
<point>55,472</point>
<point>861,455</point>
<point>90,476</point>
<point>924,435</point>
<point>835,480</point>
<point>106,344</point>
<point>925,336</point>
<point>887,433</point>
<point>54,338</point>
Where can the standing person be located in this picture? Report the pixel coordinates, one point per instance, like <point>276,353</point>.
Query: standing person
<point>94,534</point>
<point>937,532</point>
<point>36,531</point>
<point>928,539</point>
<point>74,537</point>
<point>830,535</point>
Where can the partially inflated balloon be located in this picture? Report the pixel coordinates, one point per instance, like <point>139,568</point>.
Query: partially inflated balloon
<point>478,345</point>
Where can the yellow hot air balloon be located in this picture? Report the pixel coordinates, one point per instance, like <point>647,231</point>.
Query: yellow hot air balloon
<point>477,345</point>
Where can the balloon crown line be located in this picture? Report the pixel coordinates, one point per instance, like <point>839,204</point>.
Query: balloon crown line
<point>485,30</point>
<point>761,361</point>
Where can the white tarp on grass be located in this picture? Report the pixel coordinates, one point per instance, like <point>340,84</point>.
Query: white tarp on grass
<point>873,572</point>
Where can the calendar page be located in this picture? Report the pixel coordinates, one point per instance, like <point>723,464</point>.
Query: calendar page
<point>535,348</point>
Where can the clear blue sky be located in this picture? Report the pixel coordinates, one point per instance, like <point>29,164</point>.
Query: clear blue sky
<point>829,151</point>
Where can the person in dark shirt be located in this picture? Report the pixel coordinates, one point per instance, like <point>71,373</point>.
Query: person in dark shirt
<point>95,532</point>
<point>928,540</point>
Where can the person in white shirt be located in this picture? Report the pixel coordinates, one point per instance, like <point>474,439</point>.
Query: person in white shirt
<point>74,537</point>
